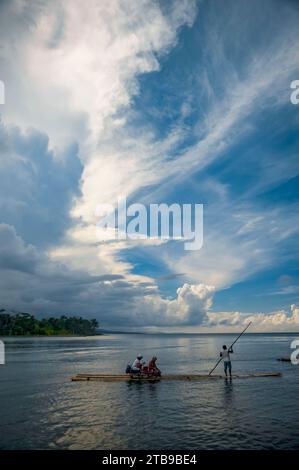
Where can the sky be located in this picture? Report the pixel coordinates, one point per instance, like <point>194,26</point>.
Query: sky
<point>173,101</point>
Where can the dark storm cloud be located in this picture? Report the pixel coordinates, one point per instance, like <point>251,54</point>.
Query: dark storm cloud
<point>37,187</point>
<point>31,282</point>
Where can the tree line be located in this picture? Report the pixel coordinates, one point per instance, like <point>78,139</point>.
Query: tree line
<point>20,324</point>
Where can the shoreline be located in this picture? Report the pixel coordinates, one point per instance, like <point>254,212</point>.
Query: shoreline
<point>106,332</point>
<point>51,336</point>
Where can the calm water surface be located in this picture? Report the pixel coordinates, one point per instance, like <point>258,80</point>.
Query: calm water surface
<point>40,408</point>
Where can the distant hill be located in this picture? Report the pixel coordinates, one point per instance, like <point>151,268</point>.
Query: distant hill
<point>25,324</point>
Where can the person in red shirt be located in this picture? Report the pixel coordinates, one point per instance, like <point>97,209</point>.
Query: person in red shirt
<point>152,366</point>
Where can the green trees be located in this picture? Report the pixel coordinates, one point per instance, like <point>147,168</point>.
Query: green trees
<point>26,324</point>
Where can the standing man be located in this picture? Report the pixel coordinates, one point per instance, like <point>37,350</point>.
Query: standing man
<point>225,354</point>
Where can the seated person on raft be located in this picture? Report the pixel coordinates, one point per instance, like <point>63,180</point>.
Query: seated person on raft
<point>137,365</point>
<point>152,366</point>
<point>225,354</point>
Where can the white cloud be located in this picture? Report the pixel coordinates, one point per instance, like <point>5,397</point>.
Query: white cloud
<point>73,72</point>
<point>77,73</point>
<point>190,307</point>
<point>261,322</point>
<point>31,282</point>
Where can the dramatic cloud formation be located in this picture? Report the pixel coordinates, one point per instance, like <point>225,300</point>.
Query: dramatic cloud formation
<point>33,282</point>
<point>161,102</point>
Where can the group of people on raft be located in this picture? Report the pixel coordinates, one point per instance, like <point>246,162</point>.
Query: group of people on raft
<point>140,367</point>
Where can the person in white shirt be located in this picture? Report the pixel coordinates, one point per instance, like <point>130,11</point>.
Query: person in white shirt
<point>137,364</point>
<point>225,354</point>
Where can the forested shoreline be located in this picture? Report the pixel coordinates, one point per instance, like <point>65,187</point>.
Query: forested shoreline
<point>25,324</point>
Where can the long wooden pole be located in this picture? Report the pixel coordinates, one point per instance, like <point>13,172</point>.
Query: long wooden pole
<point>218,362</point>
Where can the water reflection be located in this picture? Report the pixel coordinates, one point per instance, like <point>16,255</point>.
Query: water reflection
<point>41,408</point>
<point>228,392</point>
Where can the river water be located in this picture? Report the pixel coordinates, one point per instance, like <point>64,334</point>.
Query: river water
<point>40,408</point>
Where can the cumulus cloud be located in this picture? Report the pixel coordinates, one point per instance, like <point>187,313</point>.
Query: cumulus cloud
<point>261,322</point>
<point>31,282</point>
<point>277,320</point>
<point>190,307</point>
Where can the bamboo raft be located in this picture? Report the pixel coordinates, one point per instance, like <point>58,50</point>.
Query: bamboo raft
<point>174,377</point>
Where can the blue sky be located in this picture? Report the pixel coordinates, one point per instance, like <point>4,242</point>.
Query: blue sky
<point>164,102</point>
